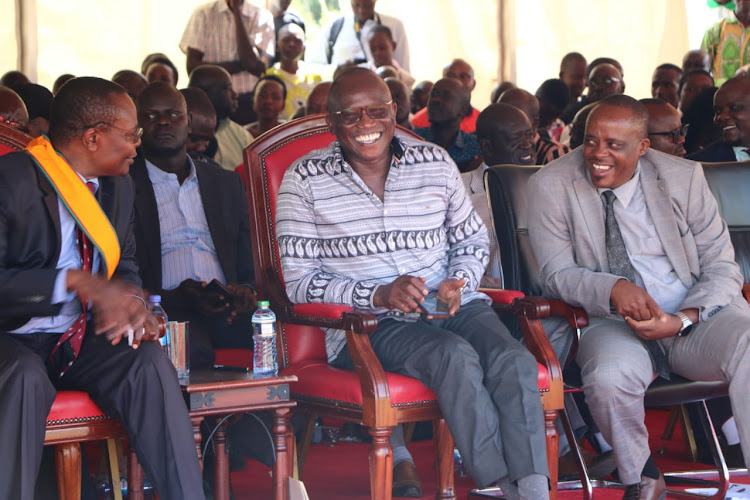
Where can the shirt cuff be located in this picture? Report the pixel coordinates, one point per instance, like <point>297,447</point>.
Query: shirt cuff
<point>60,293</point>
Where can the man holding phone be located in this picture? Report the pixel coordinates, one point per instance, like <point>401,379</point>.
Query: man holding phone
<point>192,231</point>
<point>384,224</point>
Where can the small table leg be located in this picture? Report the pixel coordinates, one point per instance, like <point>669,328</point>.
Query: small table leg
<point>281,466</point>
<point>196,421</point>
<point>221,463</point>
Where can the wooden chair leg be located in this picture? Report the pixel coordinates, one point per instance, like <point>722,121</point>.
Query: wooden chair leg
<point>135,477</point>
<point>408,432</point>
<point>444,460</point>
<point>114,468</point>
<point>68,466</point>
<point>381,464</point>
<point>305,440</point>
<point>221,463</point>
<point>552,450</point>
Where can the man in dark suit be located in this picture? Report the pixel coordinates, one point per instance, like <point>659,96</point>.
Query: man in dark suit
<point>732,117</point>
<point>62,327</point>
<point>192,227</point>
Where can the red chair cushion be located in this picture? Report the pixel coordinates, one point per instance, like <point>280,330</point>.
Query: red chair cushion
<point>320,380</point>
<point>318,310</point>
<point>501,296</point>
<point>72,406</point>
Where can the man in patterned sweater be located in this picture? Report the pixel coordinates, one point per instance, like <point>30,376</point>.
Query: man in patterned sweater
<point>385,225</point>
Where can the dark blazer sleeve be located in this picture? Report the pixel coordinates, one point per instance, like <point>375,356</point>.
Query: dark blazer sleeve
<point>245,268</point>
<point>715,152</point>
<point>121,214</point>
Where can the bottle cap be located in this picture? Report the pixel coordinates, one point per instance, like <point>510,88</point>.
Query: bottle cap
<point>154,299</point>
<point>264,303</point>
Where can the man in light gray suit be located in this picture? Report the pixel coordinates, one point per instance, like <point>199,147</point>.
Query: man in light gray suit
<point>657,301</point>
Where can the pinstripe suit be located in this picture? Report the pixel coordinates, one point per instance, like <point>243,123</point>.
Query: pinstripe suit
<point>566,228</point>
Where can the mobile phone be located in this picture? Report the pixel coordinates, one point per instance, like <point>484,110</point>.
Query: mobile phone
<point>216,287</point>
<point>434,308</point>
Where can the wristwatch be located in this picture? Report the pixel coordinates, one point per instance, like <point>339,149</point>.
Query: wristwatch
<point>686,324</point>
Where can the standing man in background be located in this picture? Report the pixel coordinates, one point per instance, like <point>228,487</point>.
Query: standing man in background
<point>237,36</point>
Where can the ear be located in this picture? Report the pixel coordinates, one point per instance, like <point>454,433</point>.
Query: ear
<point>331,124</point>
<point>623,86</point>
<point>393,45</point>
<point>486,146</point>
<point>643,146</point>
<point>90,139</point>
<point>190,123</point>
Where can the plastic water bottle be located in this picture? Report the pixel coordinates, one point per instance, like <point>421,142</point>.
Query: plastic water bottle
<point>264,341</point>
<point>158,311</point>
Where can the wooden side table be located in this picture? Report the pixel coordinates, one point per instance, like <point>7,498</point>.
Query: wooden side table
<point>216,393</point>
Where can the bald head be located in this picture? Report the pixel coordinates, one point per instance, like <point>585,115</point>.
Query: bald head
<point>386,71</point>
<point>664,127</point>
<point>696,60</point>
<point>462,71</point>
<point>12,109</point>
<point>317,101</point>
<point>505,135</point>
<point>523,100</point>
<point>449,102</point>
<point>353,81</point>
<point>216,82</point>
<point>638,115</point>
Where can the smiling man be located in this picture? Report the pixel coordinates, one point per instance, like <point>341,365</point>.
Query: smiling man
<point>635,238</point>
<point>413,239</point>
<point>732,117</point>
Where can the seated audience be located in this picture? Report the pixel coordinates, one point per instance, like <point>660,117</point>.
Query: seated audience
<point>574,107</point>
<point>506,136</point>
<point>38,101</point>
<point>382,49</point>
<point>420,94</point>
<point>161,70</point>
<point>657,298</point>
<point>231,137</point>
<point>13,112</point>
<point>13,78</point>
<point>447,107</point>
<point>666,132</point>
<point>695,60</point>
<point>605,80</point>
<point>298,78</point>
<point>317,101</point>
<point>470,360</point>
<point>665,84</point>
<point>732,119</point>
<point>692,84</point>
<point>132,81</point>
<point>50,284</point>
<point>400,94</point>
<point>463,72</point>
<point>60,81</point>
<point>202,124</point>
<point>573,75</point>
<point>553,98</point>
<point>546,149</point>
<point>269,97</point>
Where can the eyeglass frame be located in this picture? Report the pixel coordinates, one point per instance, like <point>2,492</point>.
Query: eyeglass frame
<point>361,110</point>
<point>604,82</point>
<point>134,137</point>
<point>680,131</point>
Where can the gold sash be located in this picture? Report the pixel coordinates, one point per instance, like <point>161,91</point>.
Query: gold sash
<point>78,199</point>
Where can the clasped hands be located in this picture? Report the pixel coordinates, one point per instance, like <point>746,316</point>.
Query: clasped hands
<point>235,302</point>
<point>642,313</point>
<point>406,293</point>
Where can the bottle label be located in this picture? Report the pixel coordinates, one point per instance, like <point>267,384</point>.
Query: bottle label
<point>267,328</point>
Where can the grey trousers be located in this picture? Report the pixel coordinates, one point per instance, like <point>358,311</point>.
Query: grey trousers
<point>486,384</point>
<point>138,387</point>
<point>616,371</point>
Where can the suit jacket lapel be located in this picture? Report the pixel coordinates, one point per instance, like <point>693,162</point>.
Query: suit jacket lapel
<point>593,214</point>
<point>662,214</point>
<point>147,217</point>
<point>210,195</point>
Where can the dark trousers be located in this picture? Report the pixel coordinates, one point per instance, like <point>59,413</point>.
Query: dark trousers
<point>137,386</point>
<point>486,384</point>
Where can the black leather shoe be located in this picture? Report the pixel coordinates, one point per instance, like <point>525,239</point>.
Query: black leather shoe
<point>647,489</point>
<point>598,466</point>
<point>406,481</point>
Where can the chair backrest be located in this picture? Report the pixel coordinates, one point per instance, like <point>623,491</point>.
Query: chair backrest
<point>729,182</point>
<point>266,161</point>
<point>12,140</point>
<point>506,194</point>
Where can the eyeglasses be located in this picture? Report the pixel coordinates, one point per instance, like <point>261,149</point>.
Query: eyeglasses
<point>350,116</point>
<point>132,136</point>
<point>603,82</point>
<point>676,133</point>
<point>171,115</point>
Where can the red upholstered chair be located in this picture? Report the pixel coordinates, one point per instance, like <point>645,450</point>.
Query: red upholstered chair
<point>369,395</point>
<point>74,418</point>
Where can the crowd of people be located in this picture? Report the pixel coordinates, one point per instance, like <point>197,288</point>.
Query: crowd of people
<point>621,222</point>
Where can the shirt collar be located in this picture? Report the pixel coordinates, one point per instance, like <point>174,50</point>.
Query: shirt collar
<point>740,152</point>
<point>94,181</point>
<point>625,192</point>
<point>159,176</point>
<point>396,145</point>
